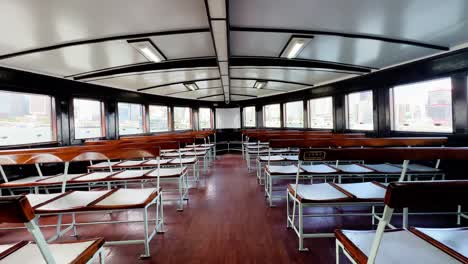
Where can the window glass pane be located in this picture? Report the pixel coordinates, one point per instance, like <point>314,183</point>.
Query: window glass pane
<point>182,118</point>
<point>87,116</point>
<point>249,116</point>
<point>159,118</point>
<point>423,107</point>
<point>272,115</point>
<point>204,116</point>
<point>360,111</point>
<point>321,113</point>
<point>130,119</point>
<point>294,114</point>
<point>25,118</point>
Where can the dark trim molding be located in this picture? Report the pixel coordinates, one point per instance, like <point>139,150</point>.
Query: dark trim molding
<point>167,84</point>
<point>268,89</point>
<point>283,62</point>
<point>246,95</point>
<point>164,65</point>
<point>213,95</point>
<point>271,80</point>
<point>96,40</point>
<point>340,34</point>
<point>209,88</point>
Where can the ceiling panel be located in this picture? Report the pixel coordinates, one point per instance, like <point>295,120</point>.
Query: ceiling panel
<point>280,86</point>
<point>253,91</point>
<point>33,24</point>
<point>200,93</point>
<point>257,43</point>
<point>78,59</point>
<point>301,75</point>
<point>185,45</point>
<point>218,98</point>
<point>209,84</point>
<point>433,21</point>
<point>148,79</point>
<point>240,98</point>
<point>167,90</point>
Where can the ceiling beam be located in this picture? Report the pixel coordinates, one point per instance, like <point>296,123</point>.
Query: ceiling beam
<point>270,80</point>
<point>189,91</point>
<point>164,65</point>
<point>97,40</point>
<point>283,62</point>
<point>208,96</point>
<point>340,34</point>
<point>246,95</point>
<point>179,82</point>
<point>267,89</point>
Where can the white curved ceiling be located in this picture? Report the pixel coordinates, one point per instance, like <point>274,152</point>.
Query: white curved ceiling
<point>87,41</point>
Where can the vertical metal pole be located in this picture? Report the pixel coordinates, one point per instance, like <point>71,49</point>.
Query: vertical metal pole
<point>65,174</point>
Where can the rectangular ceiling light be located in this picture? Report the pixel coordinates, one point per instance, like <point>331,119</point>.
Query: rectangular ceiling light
<point>220,39</point>
<point>191,86</point>
<point>217,9</point>
<point>260,84</point>
<point>295,46</point>
<point>146,48</point>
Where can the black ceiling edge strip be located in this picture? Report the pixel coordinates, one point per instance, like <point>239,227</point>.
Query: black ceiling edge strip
<point>290,39</point>
<point>271,80</point>
<point>200,89</point>
<point>294,68</point>
<point>228,33</point>
<point>283,62</point>
<point>340,34</point>
<point>167,84</point>
<point>90,41</point>
<point>246,95</point>
<point>164,65</point>
<point>209,96</point>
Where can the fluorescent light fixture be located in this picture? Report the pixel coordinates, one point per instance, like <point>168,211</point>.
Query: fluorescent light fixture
<point>146,48</point>
<point>260,84</point>
<point>191,86</point>
<point>295,46</point>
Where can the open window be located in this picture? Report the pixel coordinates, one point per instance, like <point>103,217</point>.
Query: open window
<point>88,118</point>
<point>205,118</point>
<point>294,114</point>
<point>158,118</point>
<point>359,111</point>
<point>249,116</point>
<point>321,113</point>
<point>272,115</point>
<point>182,118</point>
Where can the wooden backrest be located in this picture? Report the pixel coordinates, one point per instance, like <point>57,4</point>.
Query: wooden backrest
<point>15,209</point>
<point>385,154</point>
<point>427,194</point>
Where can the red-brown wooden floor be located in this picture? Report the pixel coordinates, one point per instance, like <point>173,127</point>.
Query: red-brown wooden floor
<point>225,221</point>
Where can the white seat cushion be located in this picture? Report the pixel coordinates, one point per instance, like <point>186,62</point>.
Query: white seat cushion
<point>399,247</point>
<point>171,154</point>
<point>271,158</point>
<point>154,162</point>
<point>62,253</point>
<point>453,238</point>
<point>288,169</point>
<point>291,157</point>
<point>168,172</point>
<point>59,179</point>
<point>73,200</point>
<point>319,168</point>
<point>127,197</point>
<point>353,168</point>
<point>27,180</point>
<point>183,161</point>
<point>36,199</point>
<point>103,165</point>
<point>129,174</point>
<point>94,176</point>
<point>320,192</point>
<point>364,190</point>
<point>129,163</point>
<point>384,168</point>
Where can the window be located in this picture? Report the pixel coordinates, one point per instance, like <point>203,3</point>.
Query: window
<point>88,118</point>
<point>423,106</point>
<point>182,118</point>
<point>360,111</point>
<point>272,115</point>
<point>26,118</point>
<point>130,118</point>
<point>249,116</point>
<point>294,114</point>
<point>158,118</point>
<point>321,113</point>
<point>205,119</point>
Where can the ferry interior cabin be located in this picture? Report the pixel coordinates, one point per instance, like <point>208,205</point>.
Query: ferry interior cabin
<point>242,131</point>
